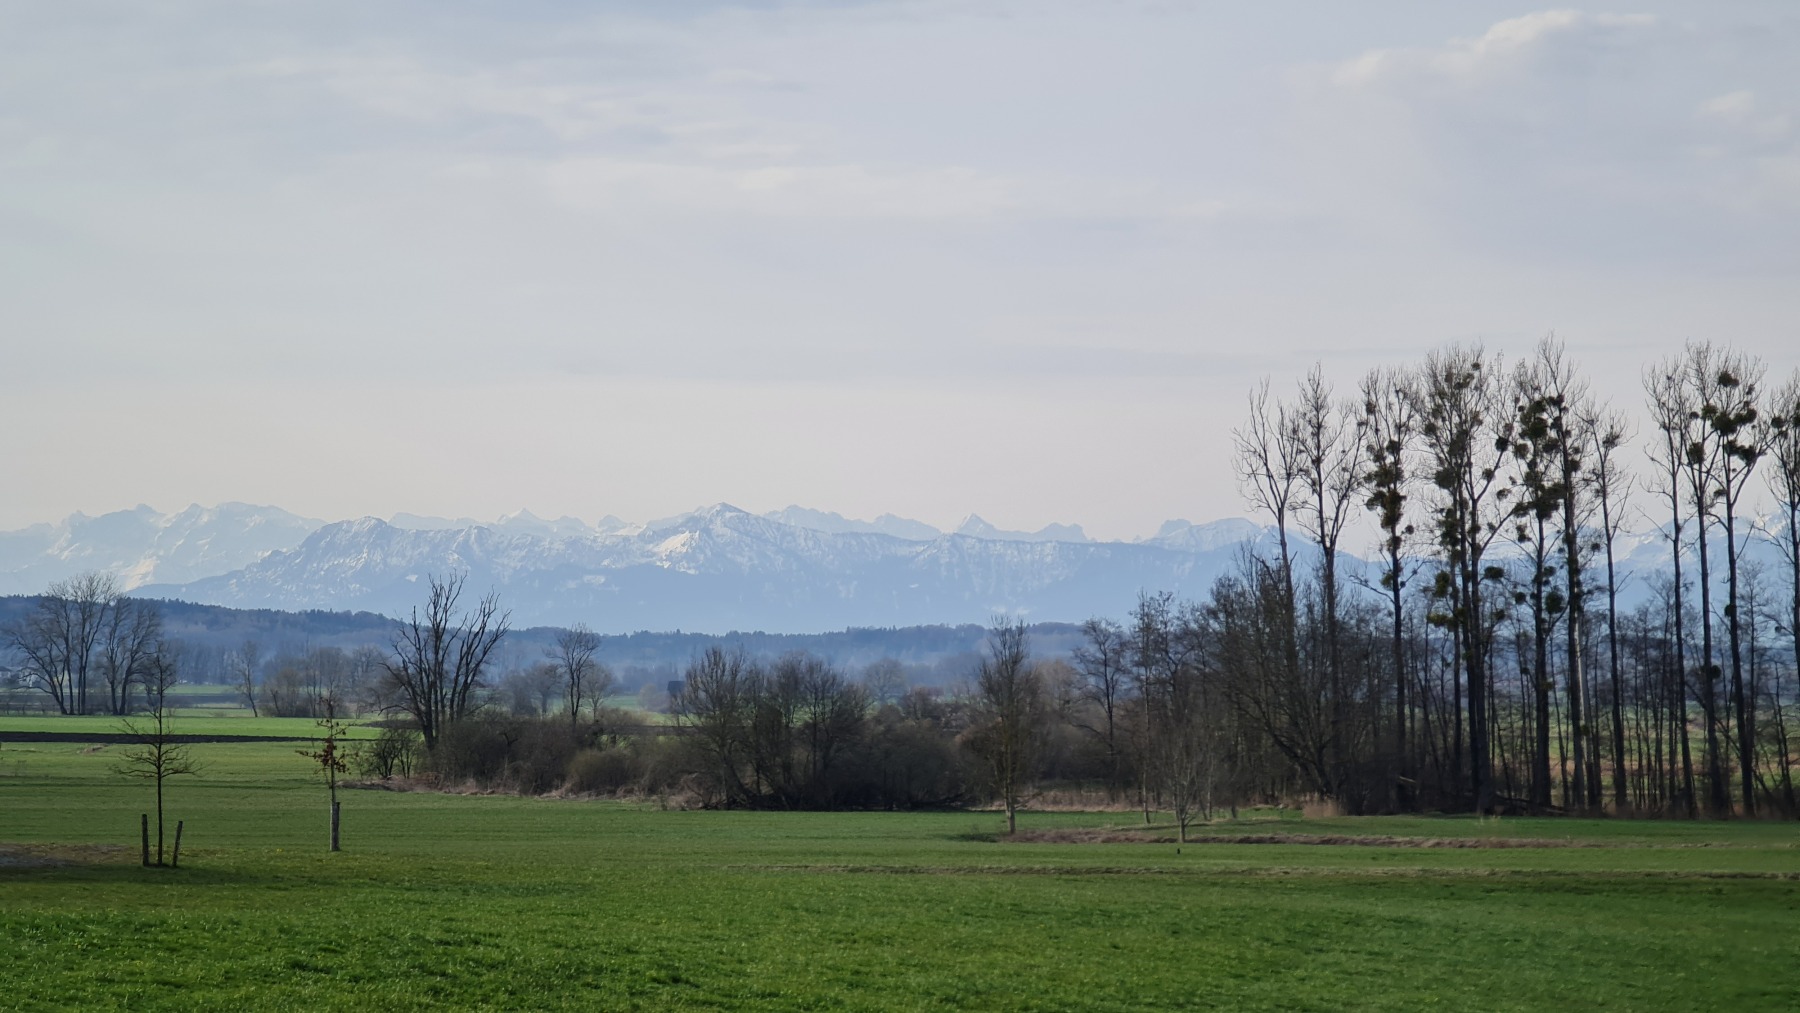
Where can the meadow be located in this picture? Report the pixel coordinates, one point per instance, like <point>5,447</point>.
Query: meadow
<point>482,901</point>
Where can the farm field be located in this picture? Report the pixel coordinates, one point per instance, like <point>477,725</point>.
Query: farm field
<point>183,723</point>
<point>500,902</point>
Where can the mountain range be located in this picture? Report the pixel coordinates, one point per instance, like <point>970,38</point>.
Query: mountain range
<point>716,569</point>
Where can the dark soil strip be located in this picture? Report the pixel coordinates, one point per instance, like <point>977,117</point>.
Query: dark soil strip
<point>49,856</point>
<point>1320,872</point>
<point>1073,836</point>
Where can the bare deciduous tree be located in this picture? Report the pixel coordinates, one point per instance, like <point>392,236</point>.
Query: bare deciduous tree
<point>440,657</point>
<point>884,680</point>
<point>1466,432</point>
<point>716,705</point>
<point>1389,432</point>
<point>1269,467</point>
<point>1784,477</point>
<point>1104,661</point>
<point>1730,413</point>
<point>59,640</point>
<point>1607,432</point>
<point>246,663</point>
<point>1010,696</point>
<point>1327,436</point>
<point>129,635</point>
<point>582,677</point>
<point>156,754</point>
<point>1669,405</point>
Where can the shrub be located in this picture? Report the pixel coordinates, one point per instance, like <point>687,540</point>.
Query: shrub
<point>395,751</point>
<point>603,771</point>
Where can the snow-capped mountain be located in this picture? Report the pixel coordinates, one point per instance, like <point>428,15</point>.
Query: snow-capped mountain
<point>142,546</point>
<point>837,524</point>
<point>974,527</point>
<point>711,570</point>
<point>715,569</point>
<point>1191,537</point>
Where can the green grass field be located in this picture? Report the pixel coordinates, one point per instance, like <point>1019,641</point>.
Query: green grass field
<point>508,903</point>
<point>184,723</point>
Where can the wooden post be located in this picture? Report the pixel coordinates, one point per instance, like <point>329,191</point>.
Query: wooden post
<point>334,825</point>
<point>146,829</point>
<point>175,859</point>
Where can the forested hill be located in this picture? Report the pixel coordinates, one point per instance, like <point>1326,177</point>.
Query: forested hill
<point>208,633</point>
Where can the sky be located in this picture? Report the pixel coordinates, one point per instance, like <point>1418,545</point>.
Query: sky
<point>928,257</point>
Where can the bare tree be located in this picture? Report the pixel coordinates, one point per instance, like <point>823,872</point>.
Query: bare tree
<point>1784,478</point>
<point>1010,697</point>
<point>58,640</point>
<point>440,657</point>
<point>1327,436</point>
<point>1670,411</point>
<point>582,676</point>
<point>831,716</point>
<point>1569,405</point>
<point>884,681</point>
<point>1537,498</point>
<point>716,705</point>
<point>1389,433</point>
<point>1104,661</point>
<point>1729,410</point>
<point>1607,432</point>
<point>1721,437</point>
<point>130,633</point>
<point>246,662</point>
<point>1269,467</point>
<point>530,691</point>
<point>156,753</point>
<point>1466,432</point>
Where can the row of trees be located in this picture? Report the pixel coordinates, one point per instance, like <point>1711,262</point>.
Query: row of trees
<point>1507,673</point>
<point>793,732</point>
<point>89,647</point>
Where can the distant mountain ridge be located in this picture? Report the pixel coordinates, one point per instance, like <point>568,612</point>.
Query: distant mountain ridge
<point>143,546</point>
<point>715,570</point>
<point>718,568</point>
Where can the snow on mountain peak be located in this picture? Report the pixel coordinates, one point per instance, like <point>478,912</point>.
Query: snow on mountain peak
<point>1209,537</point>
<point>974,527</point>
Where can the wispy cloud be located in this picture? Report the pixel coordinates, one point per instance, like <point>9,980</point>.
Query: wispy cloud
<point>1506,47</point>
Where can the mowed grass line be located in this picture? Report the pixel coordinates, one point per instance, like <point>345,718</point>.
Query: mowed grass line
<point>472,901</point>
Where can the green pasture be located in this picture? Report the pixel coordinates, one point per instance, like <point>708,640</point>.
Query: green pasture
<point>509,903</point>
<point>182,723</point>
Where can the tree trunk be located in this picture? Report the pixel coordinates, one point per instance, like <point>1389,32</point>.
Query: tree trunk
<point>1746,709</point>
<point>1612,646</point>
<point>159,821</point>
<point>1718,793</point>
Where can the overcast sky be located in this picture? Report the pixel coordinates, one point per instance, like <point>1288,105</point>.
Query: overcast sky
<point>1021,259</point>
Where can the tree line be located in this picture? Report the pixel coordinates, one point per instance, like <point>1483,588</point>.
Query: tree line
<point>1481,662</point>
<point>1486,664</point>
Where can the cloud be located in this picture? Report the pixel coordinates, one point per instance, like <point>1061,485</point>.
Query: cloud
<point>1505,46</point>
<point>1585,140</point>
<point>855,192</point>
<point>568,109</point>
<point>1741,110</point>
<point>619,186</point>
